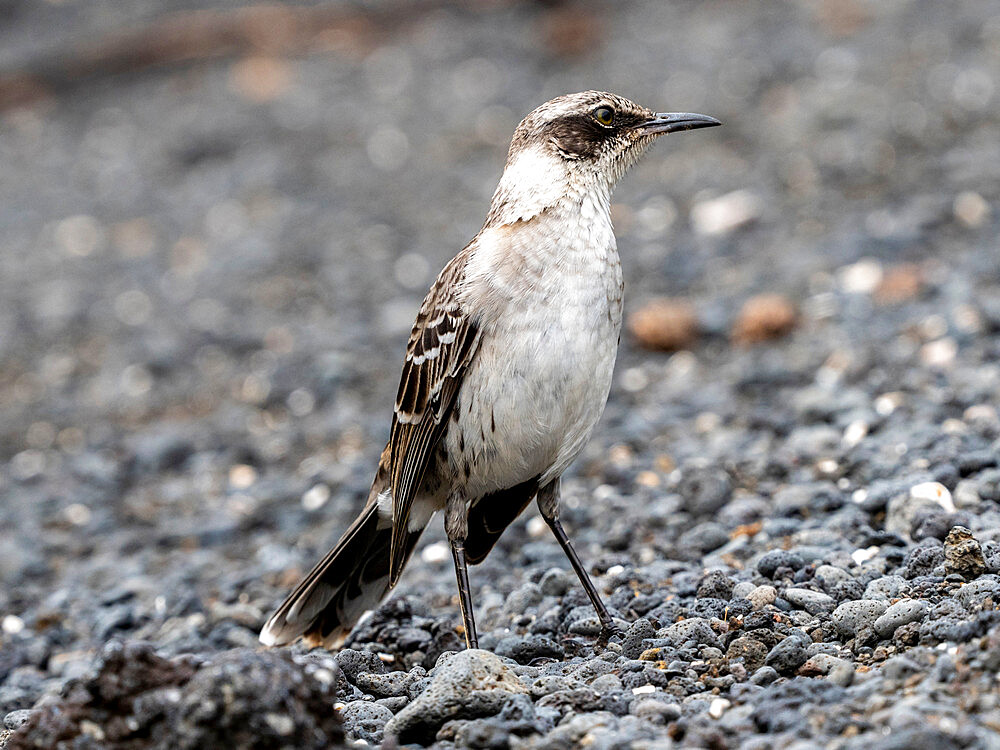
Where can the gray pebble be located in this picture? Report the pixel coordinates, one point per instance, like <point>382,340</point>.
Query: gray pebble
<point>555,582</point>
<point>789,654</point>
<point>465,685</point>
<point>17,718</point>
<point>900,613</point>
<point>696,629</point>
<point>813,602</point>
<point>771,562</point>
<point>365,720</point>
<point>764,676</point>
<point>886,588</point>
<point>851,616</point>
<point>742,590</point>
<point>828,576</point>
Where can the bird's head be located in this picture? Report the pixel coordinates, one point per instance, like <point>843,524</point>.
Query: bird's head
<point>578,143</point>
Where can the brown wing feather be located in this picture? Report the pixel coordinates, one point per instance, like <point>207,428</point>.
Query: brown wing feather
<point>442,343</point>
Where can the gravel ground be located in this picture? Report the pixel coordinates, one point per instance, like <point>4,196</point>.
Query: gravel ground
<point>209,270</point>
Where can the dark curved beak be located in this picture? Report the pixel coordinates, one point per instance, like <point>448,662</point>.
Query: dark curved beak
<point>668,122</point>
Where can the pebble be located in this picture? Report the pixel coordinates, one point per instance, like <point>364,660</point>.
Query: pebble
<point>963,554</point>
<point>898,614</point>
<point>722,215</point>
<point>771,562</point>
<point>665,324</point>
<point>813,602</point>
<point>18,718</point>
<point>851,616</point>
<point>696,629</point>
<point>764,317</point>
<point>469,684</point>
<point>364,720</point>
<point>789,654</point>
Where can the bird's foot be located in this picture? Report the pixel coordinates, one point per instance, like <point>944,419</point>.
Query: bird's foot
<point>608,631</point>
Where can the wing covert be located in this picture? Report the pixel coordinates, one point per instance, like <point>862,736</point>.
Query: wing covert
<point>441,345</point>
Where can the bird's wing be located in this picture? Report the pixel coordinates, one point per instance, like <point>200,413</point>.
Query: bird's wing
<point>441,346</point>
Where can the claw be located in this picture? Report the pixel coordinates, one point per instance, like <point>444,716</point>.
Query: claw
<point>608,631</point>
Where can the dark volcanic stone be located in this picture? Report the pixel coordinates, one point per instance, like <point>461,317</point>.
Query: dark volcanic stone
<point>921,561</point>
<point>242,698</point>
<point>527,648</point>
<point>776,559</point>
<point>753,652</point>
<point>788,655</point>
<point>705,490</point>
<point>637,632</point>
<point>716,585</point>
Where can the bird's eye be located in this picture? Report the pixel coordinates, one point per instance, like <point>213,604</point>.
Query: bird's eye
<point>604,115</point>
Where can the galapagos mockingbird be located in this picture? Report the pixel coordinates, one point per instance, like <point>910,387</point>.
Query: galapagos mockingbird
<point>507,368</point>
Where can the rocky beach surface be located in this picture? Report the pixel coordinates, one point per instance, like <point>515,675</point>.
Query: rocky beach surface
<point>210,264</point>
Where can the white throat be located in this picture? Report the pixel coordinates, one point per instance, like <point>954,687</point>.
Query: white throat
<point>537,180</point>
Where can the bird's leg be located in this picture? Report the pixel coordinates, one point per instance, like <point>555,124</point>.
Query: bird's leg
<point>456,525</point>
<point>548,504</point>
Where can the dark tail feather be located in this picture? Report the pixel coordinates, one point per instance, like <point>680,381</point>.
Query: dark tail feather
<point>351,579</point>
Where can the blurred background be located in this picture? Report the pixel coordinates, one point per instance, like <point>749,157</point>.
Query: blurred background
<point>217,221</point>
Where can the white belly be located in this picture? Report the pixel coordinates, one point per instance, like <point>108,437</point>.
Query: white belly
<point>538,384</point>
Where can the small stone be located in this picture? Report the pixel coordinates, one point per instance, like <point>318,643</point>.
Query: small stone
<point>655,711</point>
<point>696,629</point>
<point>752,652</point>
<point>788,655</point>
<point>898,614</point>
<point>637,632</point>
<point>555,582</point>
<point>388,685</point>
<point>939,353</point>
<point>935,492</point>
<point>813,602</point>
<point>771,561</point>
<point>715,585</point>
<point>718,707</point>
<point>828,576</point>
<point>836,670</point>
<point>527,648</point>
<point>886,588</point>
<point>353,662</point>
<point>742,590</point>
<point>861,277</point>
<point>365,720</point>
<point>761,596</point>
<point>466,685</point>
<point>17,718</point>
<point>764,676</point>
<point>899,284</point>
<point>764,317</point>
<point>971,209</point>
<point>665,324</point>
<point>923,560</point>
<point>963,554</point>
<point>850,617</point>
<point>905,510</point>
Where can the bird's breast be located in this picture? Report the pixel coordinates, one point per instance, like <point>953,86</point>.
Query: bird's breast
<point>543,370</point>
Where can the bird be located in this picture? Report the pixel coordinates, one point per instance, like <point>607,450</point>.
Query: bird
<point>507,369</point>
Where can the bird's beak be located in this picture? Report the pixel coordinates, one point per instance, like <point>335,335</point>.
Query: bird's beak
<point>668,122</point>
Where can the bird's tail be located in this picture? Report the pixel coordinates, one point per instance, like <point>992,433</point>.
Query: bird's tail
<point>351,579</point>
